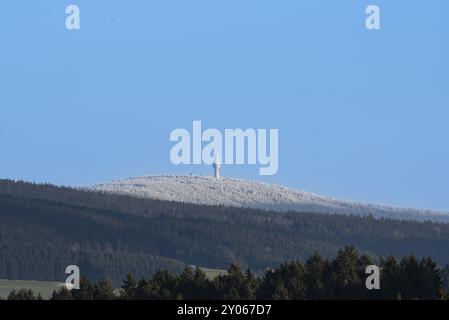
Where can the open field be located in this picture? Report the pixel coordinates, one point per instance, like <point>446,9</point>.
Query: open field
<point>213,273</point>
<point>45,288</point>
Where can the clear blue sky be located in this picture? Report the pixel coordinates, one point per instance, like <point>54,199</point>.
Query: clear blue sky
<point>361,115</point>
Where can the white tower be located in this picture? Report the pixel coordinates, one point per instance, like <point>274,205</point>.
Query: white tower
<point>217,168</point>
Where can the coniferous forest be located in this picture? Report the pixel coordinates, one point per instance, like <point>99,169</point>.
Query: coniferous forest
<point>316,279</point>
<point>292,255</point>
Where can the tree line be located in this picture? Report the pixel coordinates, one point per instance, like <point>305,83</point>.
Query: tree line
<point>342,277</point>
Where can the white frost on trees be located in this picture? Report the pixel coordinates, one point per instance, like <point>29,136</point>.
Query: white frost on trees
<point>244,193</point>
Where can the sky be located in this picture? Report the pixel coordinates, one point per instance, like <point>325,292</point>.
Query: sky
<point>362,115</point>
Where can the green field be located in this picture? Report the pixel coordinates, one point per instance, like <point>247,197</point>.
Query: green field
<point>45,288</point>
<point>213,273</point>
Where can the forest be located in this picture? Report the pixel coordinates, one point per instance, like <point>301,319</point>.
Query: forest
<point>341,278</point>
<point>44,228</point>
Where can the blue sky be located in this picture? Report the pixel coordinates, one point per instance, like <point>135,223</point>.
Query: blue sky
<point>362,115</point>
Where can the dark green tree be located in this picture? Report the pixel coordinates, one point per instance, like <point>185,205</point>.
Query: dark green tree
<point>86,290</point>
<point>129,288</point>
<point>234,285</point>
<point>315,282</point>
<point>103,290</point>
<point>23,294</point>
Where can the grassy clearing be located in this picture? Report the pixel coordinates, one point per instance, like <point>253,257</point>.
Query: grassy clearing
<point>45,288</point>
<point>213,273</point>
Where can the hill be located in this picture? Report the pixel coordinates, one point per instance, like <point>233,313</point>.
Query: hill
<point>244,193</point>
<point>44,228</point>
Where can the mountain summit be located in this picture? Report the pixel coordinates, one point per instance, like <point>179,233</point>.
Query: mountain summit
<point>245,193</point>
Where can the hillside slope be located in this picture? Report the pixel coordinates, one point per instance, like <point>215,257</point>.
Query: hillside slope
<point>44,228</point>
<point>245,193</point>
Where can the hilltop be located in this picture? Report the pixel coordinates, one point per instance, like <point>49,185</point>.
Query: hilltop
<point>206,190</point>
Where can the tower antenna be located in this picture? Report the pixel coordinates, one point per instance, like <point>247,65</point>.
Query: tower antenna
<point>217,167</point>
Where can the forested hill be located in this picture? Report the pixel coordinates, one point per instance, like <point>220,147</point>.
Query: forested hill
<point>44,228</point>
<point>226,191</point>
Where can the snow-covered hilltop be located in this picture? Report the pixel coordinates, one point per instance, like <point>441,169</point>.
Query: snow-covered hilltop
<point>245,193</point>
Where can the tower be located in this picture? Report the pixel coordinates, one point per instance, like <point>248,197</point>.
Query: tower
<point>217,168</point>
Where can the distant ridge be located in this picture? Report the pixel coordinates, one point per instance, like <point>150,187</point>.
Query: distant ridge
<point>245,193</point>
